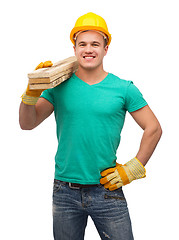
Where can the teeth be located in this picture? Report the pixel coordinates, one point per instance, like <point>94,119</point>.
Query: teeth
<point>88,57</point>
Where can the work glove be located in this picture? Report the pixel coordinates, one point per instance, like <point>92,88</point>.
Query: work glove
<point>30,97</point>
<point>116,177</point>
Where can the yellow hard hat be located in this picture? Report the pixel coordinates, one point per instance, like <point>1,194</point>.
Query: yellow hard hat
<point>90,21</point>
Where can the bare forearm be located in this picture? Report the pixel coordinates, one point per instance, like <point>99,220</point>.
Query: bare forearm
<point>27,116</point>
<point>30,116</point>
<point>148,144</point>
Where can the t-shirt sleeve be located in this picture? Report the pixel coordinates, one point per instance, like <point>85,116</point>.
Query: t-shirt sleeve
<point>134,98</point>
<point>48,95</point>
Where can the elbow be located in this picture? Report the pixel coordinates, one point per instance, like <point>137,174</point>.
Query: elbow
<point>25,126</point>
<point>154,130</point>
<point>157,131</point>
<point>160,131</point>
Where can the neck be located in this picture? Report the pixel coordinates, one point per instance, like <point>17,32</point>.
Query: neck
<point>91,76</point>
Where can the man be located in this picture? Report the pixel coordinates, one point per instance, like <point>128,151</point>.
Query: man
<point>90,109</point>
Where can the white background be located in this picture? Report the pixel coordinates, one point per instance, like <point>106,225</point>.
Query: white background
<point>145,49</point>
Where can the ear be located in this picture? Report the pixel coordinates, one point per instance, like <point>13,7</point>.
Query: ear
<point>74,48</point>
<point>106,49</point>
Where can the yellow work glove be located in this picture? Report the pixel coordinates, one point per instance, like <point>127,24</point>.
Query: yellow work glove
<point>116,177</point>
<point>30,97</point>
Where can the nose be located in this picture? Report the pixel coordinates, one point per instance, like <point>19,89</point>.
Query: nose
<point>88,48</point>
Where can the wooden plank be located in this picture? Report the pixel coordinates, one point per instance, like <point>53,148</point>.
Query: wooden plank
<point>52,78</point>
<point>45,78</point>
<point>55,69</point>
<point>53,84</point>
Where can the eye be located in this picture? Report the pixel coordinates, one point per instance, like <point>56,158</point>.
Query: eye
<point>95,44</point>
<point>82,44</point>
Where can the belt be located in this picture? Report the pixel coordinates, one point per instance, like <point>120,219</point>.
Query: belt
<point>77,185</point>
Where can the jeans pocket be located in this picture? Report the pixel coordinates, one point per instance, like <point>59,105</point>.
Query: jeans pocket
<point>115,195</point>
<point>107,196</point>
<point>56,186</point>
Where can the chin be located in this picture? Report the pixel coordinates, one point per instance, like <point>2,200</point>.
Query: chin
<point>89,66</point>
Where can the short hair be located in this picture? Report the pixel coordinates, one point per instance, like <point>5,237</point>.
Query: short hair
<point>105,42</point>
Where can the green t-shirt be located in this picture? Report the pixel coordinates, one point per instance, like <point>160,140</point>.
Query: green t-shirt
<point>89,121</point>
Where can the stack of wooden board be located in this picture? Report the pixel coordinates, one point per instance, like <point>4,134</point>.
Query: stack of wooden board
<point>50,77</point>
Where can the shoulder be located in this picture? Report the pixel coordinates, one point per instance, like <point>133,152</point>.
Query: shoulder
<point>64,84</point>
<point>118,80</point>
<point>121,85</point>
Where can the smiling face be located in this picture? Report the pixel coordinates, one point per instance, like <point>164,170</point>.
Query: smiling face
<point>90,50</point>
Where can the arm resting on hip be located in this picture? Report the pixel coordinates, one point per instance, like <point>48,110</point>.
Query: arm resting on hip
<point>146,119</point>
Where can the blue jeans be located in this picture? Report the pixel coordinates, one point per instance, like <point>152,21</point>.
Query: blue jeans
<point>108,210</point>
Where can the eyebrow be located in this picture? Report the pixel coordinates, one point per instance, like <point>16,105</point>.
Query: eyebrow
<point>90,42</point>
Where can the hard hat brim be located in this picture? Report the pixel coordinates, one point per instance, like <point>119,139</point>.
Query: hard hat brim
<point>97,28</point>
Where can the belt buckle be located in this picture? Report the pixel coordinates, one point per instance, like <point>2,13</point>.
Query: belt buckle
<point>72,187</point>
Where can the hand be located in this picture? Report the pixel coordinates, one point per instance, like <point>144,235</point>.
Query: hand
<point>44,65</point>
<point>37,93</point>
<point>30,97</point>
<point>116,177</point>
